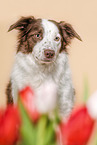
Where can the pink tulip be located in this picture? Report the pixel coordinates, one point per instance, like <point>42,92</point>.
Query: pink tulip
<point>28,99</point>
<point>9,125</point>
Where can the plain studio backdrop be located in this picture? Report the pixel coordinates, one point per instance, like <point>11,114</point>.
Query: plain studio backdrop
<point>82,14</point>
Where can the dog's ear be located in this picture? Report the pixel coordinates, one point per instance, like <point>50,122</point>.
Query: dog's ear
<point>68,32</point>
<point>22,23</point>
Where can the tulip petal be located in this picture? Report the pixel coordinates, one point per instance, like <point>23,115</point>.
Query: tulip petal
<point>28,99</point>
<point>78,129</point>
<point>9,126</point>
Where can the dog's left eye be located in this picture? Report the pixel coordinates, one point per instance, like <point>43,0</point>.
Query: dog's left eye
<point>57,38</point>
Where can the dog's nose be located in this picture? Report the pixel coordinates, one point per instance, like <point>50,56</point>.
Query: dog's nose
<point>49,53</point>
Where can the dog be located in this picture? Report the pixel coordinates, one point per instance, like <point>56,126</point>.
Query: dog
<point>42,56</point>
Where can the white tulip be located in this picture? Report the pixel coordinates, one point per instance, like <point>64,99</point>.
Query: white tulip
<point>92,105</point>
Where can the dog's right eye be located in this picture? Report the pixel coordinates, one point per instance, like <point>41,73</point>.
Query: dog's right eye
<point>37,35</point>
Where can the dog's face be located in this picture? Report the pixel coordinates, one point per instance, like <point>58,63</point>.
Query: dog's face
<point>45,39</point>
<point>46,50</point>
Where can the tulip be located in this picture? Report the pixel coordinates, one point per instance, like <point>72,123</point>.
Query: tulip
<point>41,129</point>
<point>78,129</point>
<point>27,97</point>
<point>92,105</point>
<point>9,125</point>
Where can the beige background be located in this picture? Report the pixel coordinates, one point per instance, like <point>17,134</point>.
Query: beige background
<point>82,14</point>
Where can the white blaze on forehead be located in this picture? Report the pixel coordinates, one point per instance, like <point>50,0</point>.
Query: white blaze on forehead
<point>50,29</point>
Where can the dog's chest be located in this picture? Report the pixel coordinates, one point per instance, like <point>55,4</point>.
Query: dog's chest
<point>31,76</point>
<point>26,72</point>
<point>36,77</point>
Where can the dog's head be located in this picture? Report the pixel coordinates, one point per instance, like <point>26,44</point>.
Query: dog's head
<point>45,39</point>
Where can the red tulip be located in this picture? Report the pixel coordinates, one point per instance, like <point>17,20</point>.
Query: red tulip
<point>78,129</point>
<point>28,99</point>
<point>9,125</point>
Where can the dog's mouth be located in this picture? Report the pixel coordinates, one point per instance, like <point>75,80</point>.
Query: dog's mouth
<point>48,60</point>
<point>45,60</point>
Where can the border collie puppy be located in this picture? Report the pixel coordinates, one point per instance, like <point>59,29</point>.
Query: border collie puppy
<point>41,58</point>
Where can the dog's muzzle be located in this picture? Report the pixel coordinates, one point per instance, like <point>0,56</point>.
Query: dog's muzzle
<point>49,54</point>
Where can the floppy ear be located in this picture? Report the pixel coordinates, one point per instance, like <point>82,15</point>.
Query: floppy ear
<point>68,32</point>
<point>22,23</point>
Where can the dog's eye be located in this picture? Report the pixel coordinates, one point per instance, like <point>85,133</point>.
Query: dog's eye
<point>57,38</point>
<point>37,35</point>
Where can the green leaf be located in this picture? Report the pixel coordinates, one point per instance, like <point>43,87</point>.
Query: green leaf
<point>54,143</point>
<point>21,143</point>
<point>95,138</point>
<point>41,130</point>
<point>27,128</point>
<point>50,134</point>
<point>96,143</point>
<point>86,90</point>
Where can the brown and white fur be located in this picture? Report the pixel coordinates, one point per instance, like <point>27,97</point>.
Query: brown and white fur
<point>42,57</point>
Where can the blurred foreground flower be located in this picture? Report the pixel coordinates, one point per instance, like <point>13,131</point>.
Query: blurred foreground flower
<point>80,125</point>
<point>9,126</point>
<point>41,130</point>
<point>29,123</point>
<point>78,129</point>
<point>27,97</point>
<point>41,102</point>
<point>92,105</point>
